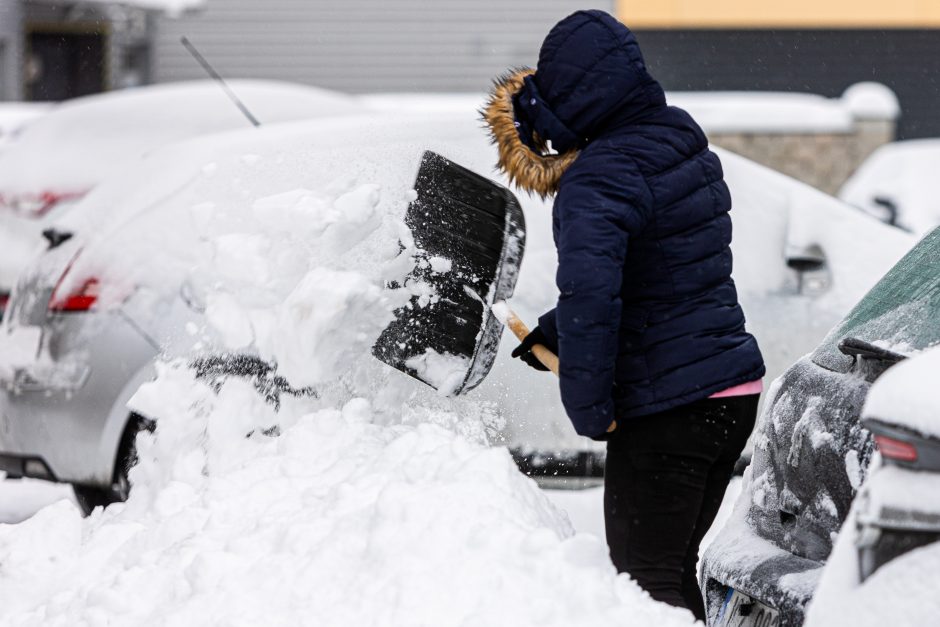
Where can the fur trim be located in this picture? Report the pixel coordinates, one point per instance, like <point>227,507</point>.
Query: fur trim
<point>534,172</point>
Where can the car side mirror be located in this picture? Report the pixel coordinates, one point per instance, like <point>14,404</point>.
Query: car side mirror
<point>890,206</point>
<point>811,268</point>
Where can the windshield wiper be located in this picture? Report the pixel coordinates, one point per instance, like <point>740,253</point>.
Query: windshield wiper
<point>855,347</point>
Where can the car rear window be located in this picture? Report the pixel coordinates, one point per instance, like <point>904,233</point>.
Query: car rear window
<point>902,312</point>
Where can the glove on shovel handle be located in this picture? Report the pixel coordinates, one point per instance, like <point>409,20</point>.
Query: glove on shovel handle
<point>518,327</point>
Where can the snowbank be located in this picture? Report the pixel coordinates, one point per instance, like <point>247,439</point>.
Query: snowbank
<point>764,112</point>
<point>373,501</point>
<point>338,521</point>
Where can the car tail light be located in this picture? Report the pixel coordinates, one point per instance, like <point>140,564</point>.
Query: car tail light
<point>82,298</point>
<point>37,205</point>
<point>4,301</point>
<point>895,449</point>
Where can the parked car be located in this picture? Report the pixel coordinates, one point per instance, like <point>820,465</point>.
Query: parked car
<point>812,452</point>
<point>55,160</point>
<point>898,184</point>
<point>88,319</point>
<point>882,568</point>
<point>87,323</point>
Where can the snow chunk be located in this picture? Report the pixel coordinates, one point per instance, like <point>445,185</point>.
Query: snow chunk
<point>444,372</point>
<point>328,318</point>
<point>227,316</point>
<point>440,265</point>
<point>853,469</point>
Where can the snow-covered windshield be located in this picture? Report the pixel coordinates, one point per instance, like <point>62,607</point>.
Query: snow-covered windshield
<point>902,312</point>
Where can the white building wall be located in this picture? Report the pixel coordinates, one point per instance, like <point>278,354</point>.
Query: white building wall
<point>361,45</point>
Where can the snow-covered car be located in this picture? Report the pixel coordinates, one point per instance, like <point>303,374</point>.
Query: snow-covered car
<point>812,452</point>
<point>898,184</point>
<point>59,157</point>
<point>882,568</point>
<point>88,319</point>
<point>15,115</point>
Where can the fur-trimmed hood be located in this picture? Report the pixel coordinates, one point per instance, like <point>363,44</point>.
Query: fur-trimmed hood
<point>590,78</point>
<point>528,167</point>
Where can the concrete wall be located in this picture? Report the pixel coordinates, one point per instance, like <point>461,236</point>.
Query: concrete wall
<point>361,45</point>
<point>823,160</point>
<point>11,42</point>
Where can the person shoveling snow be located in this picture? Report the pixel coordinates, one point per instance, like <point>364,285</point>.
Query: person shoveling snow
<point>375,501</point>
<point>653,353</point>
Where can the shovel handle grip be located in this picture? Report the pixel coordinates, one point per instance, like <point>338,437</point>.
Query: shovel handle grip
<point>520,330</point>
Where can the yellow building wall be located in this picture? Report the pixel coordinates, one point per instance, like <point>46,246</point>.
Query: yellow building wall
<point>779,13</point>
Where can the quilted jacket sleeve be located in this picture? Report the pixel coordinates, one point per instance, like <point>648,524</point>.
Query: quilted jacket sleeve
<point>595,219</point>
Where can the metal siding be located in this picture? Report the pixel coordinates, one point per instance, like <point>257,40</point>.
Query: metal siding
<point>361,45</point>
<point>819,61</point>
<point>10,49</point>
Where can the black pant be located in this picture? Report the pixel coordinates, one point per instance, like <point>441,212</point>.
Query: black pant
<point>665,478</point>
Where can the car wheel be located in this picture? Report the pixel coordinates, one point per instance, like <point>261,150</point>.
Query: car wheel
<point>90,497</point>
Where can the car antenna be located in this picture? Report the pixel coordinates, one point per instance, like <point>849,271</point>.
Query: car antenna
<point>211,71</point>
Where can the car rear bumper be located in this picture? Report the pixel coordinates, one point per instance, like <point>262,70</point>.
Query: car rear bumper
<point>739,559</point>
<point>68,409</point>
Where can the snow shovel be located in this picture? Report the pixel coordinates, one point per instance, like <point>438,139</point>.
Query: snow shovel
<point>470,233</point>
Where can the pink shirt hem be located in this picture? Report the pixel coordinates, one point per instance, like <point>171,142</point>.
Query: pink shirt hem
<point>744,389</point>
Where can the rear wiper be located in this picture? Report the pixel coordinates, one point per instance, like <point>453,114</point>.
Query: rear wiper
<point>854,347</point>
<point>55,237</point>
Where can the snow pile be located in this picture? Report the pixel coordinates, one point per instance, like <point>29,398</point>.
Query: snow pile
<point>902,173</point>
<point>764,112</point>
<point>337,521</point>
<point>369,500</point>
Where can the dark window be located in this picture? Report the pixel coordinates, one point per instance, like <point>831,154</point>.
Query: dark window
<point>62,65</point>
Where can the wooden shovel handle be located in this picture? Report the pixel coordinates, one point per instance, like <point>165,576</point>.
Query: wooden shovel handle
<point>518,327</point>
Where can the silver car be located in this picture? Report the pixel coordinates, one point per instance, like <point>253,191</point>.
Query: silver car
<point>68,374</point>
<point>72,354</point>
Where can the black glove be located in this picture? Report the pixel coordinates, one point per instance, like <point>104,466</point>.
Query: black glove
<point>524,350</point>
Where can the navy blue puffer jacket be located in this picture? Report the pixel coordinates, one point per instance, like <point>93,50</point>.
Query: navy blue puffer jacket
<point>648,316</point>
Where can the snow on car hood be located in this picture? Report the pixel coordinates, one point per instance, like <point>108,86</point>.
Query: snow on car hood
<point>903,173</point>
<point>377,503</point>
<point>80,142</point>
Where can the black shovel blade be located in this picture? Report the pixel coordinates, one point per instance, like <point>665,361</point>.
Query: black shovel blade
<point>470,233</point>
